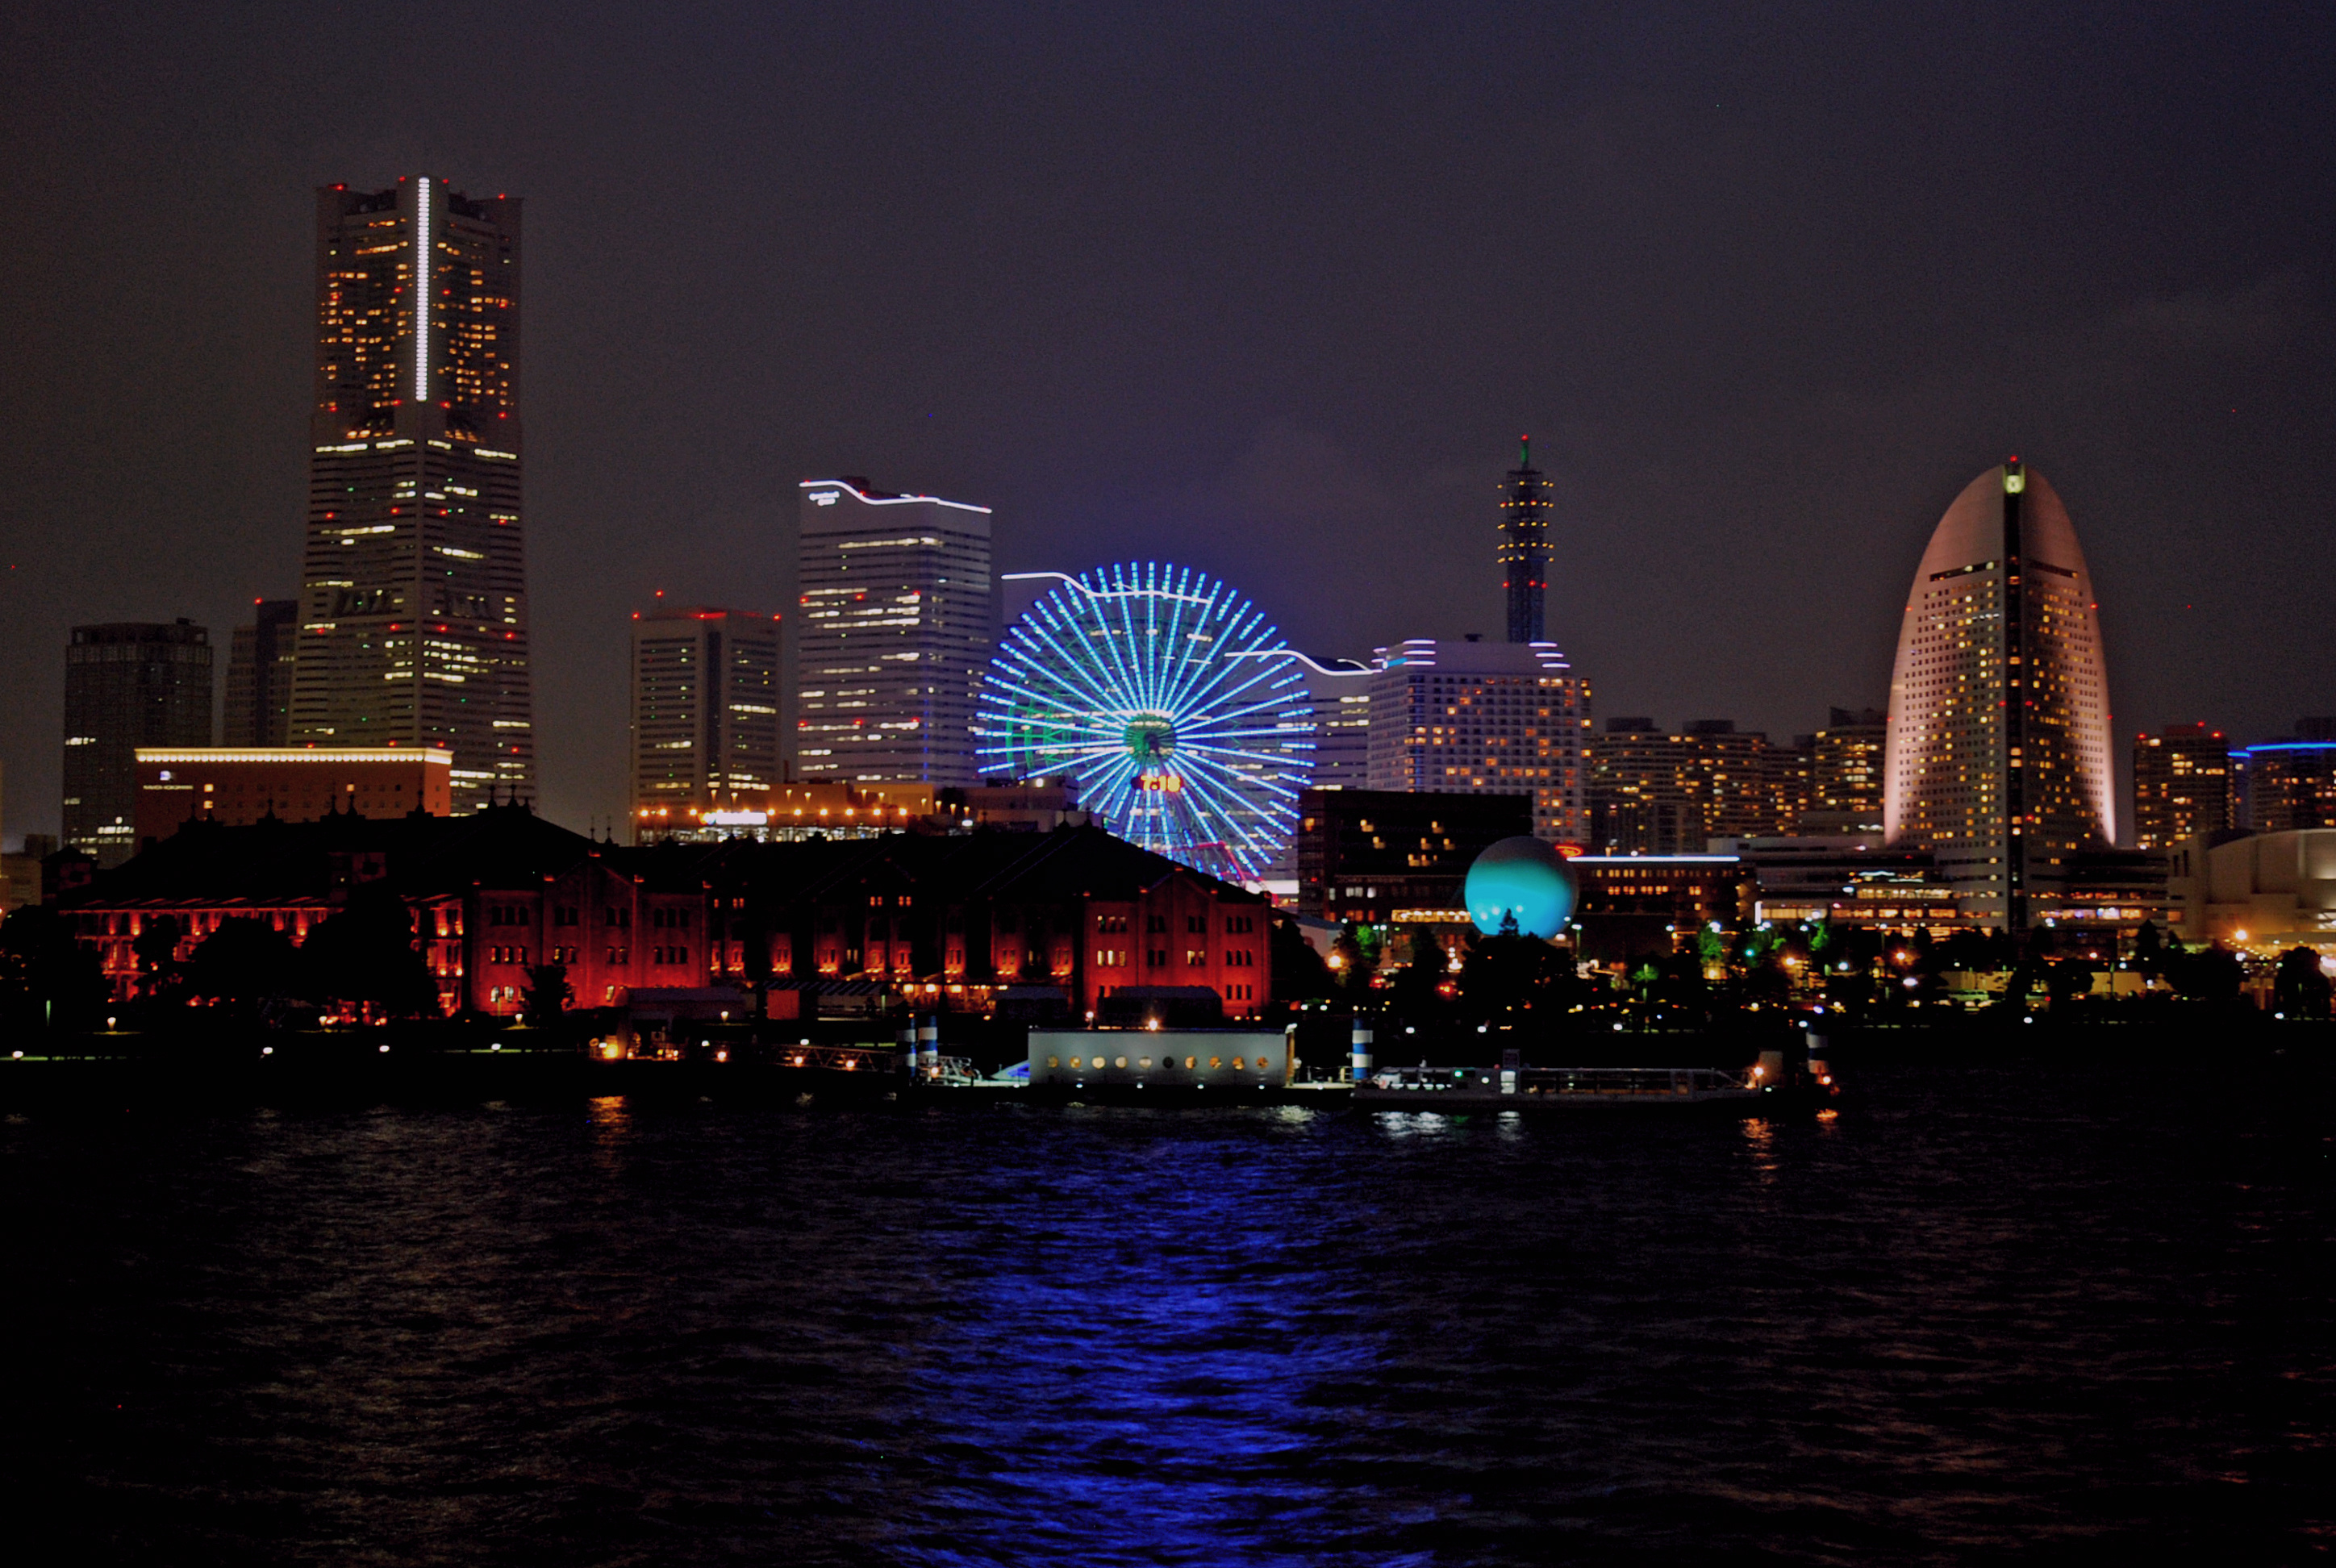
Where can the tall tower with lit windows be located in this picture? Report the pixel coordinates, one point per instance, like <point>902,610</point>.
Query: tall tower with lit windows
<point>1523,553</point>
<point>1998,753</point>
<point>705,716</point>
<point>413,627</point>
<point>897,627</point>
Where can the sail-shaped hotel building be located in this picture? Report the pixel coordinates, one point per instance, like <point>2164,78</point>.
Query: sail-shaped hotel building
<point>1998,757</point>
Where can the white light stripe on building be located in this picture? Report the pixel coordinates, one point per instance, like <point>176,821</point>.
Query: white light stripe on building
<point>422,293</point>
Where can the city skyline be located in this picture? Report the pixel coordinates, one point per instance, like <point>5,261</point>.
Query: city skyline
<point>1745,417</point>
<point>2110,795</point>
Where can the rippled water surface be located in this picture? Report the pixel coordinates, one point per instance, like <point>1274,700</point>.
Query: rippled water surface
<point>1990,1312</point>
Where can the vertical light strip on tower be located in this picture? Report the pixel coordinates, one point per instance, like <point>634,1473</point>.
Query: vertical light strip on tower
<point>422,291</point>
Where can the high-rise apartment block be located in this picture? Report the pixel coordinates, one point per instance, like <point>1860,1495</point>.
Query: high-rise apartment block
<point>1999,752</point>
<point>127,684</point>
<point>1341,706</point>
<point>896,628</point>
<point>1473,717</point>
<point>2289,784</point>
<point>1523,553</point>
<point>705,716</point>
<point>413,624</point>
<point>1652,793</point>
<point>1846,772</point>
<point>2180,785</point>
<point>256,709</point>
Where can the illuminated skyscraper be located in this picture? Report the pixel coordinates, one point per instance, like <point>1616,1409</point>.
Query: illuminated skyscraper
<point>1483,718</point>
<point>258,709</point>
<point>1999,745</point>
<point>705,716</point>
<point>897,627</point>
<point>413,599</point>
<point>128,684</point>
<point>1524,546</point>
<point>1342,729</point>
<point>2289,784</point>
<point>2180,785</point>
<point>1847,761</point>
<point>1670,794</point>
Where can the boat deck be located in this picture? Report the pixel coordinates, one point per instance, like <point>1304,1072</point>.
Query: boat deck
<point>1551,1088</point>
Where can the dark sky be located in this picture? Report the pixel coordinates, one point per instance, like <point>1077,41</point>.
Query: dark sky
<point>1266,289</point>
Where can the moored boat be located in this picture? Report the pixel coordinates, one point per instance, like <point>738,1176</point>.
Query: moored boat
<point>1774,1082</point>
<point>1559,1088</point>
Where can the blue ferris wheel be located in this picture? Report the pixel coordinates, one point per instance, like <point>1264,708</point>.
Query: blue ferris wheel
<point>1157,690</point>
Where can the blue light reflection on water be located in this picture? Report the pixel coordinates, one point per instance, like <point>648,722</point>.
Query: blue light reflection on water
<point>1147,1346</point>
<point>1990,1313</point>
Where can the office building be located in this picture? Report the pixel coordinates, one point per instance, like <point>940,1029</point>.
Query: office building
<point>1523,552</point>
<point>1793,781</point>
<point>256,708</point>
<point>897,625</point>
<point>414,620</point>
<point>1379,857</point>
<point>128,684</point>
<point>242,785</point>
<point>1638,905</point>
<point>1845,880</point>
<point>2180,785</point>
<point>2289,785</point>
<point>706,715</point>
<point>1652,793</point>
<point>1473,717</point>
<point>1341,704</point>
<point>1998,749</point>
<point>1846,773</point>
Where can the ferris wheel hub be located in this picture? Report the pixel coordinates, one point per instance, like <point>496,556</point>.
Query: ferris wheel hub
<point>1150,738</point>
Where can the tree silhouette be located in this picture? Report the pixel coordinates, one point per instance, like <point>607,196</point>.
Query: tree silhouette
<point>365,953</point>
<point>2212,974</point>
<point>156,947</point>
<point>547,994</point>
<point>1507,973</point>
<point>1298,972</point>
<point>242,963</point>
<point>2301,989</point>
<point>755,940</point>
<point>45,975</point>
<point>1416,984</point>
<point>2067,980</point>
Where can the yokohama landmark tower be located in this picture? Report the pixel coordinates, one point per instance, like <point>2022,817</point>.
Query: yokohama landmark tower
<point>413,599</point>
<point>1999,741</point>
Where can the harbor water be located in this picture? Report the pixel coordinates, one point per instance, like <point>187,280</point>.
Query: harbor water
<point>2011,1313</point>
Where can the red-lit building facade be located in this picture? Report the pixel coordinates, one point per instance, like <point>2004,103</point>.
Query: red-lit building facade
<point>954,918</point>
<point>944,919</point>
<point>240,785</point>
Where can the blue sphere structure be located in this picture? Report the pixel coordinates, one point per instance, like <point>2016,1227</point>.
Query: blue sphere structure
<point>1523,878</point>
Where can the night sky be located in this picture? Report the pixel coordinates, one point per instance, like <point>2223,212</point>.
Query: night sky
<point>1268,290</point>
